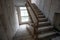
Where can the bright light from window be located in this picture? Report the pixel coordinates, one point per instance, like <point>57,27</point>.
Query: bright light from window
<point>24,14</point>
<point>22,7</point>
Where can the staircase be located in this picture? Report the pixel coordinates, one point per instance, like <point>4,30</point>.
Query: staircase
<point>43,30</point>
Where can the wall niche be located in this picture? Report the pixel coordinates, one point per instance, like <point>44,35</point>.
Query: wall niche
<point>57,21</point>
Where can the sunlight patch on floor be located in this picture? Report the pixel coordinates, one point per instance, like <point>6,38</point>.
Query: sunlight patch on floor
<point>22,31</point>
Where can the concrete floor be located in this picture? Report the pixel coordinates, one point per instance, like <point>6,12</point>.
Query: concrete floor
<point>22,33</point>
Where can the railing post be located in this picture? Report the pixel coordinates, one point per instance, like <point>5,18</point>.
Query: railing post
<point>35,31</point>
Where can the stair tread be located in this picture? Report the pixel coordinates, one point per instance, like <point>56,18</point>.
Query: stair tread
<point>40,15</point>
<point>43,22</point>
<point>45,27</point>
<point>42,18</point>
<point>46,34</point>
<point>39,12</point>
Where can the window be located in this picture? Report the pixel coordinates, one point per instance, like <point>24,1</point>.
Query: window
<point>24,14</point>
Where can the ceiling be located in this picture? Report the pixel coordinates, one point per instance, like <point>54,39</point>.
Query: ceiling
<point>20,2</point>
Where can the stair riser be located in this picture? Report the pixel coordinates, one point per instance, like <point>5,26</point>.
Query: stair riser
<point>38,13</point>
<point>48,37</point>
<point>43,20</point>
<point>46,24</point>
<point>45,31</point>
<point>41,16</point>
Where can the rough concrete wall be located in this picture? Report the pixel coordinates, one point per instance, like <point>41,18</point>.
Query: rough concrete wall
<point>39,3</point>
<point>10,18</point>
<point>20,2</point>
<point>3,35</point>
<point>55,7</point>
<point>33,1</point>
<point>48,7</point>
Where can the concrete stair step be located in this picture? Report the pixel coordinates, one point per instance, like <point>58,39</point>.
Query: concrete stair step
<point>42,19</point>
<point>41,16</point>
<point>49,37</point>
<point>45,31</point>
<point>45,27</point>
<point>35,7</point>
<point>23,38</point>
<point>39,13</point>
<point>38,10</point>
<point>44,24</point>
<point>46,34</point>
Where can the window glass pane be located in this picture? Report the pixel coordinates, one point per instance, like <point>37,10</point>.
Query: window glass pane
<point>22,7</point>
<point>24,13</point>
<point>24,19</point>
